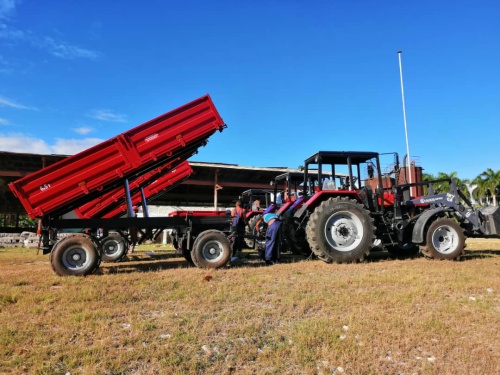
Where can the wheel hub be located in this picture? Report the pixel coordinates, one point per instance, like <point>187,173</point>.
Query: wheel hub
<point>212,251</point>
<point>343,231</point>
<point>445,240</point>
<point>75,258</point>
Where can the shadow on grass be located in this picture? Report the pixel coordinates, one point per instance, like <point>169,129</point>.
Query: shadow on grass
<point>480,254</point>
<point>142,262</point>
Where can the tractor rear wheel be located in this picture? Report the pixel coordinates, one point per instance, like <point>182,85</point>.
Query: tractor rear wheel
<point>340,230</point>
<point>260,244</point>
<point>75,255</point>
<point>211,249</point>
<point>445,239</point>
<point>113,248</point>
<point>295,237</point>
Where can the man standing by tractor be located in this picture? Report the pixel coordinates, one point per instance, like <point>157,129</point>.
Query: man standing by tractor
<point>273,239</point>
<point>238,228</point>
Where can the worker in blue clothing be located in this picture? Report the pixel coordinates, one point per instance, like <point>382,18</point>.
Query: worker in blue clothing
<point>238,228</point>
<point>273,239</point>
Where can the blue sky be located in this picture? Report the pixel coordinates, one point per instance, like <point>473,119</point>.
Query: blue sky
<point>289,78</point>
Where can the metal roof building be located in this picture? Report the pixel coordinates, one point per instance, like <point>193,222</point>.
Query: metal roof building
<point>209,182</point>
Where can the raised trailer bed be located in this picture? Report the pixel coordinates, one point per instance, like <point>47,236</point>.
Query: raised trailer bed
<point>152,183</point>
<point>106,180</point>
<point>80,178</point>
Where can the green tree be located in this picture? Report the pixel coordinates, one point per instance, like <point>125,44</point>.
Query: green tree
<point>441,187</point>
<point>479,193</point>
<point>490,182</point>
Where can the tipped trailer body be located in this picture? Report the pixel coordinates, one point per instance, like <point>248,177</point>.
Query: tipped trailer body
<point>106,180</point>
<point>157,181</point>
<point>82,177</point>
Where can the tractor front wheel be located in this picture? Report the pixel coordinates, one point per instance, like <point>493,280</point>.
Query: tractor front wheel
<point>340,230</point>
<point>211,249</point>
<point>445,239</point>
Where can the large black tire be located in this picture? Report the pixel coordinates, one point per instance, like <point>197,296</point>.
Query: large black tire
<point>211,249</point>
<point>186,253</point>
<point>260,242</point>
<point>182,248</point>
<point>295,238</point>
<point>75,255</point>
<point>251,231</point>
<point>340,230</point>
<point>113,248</point>
<point>445,239</point>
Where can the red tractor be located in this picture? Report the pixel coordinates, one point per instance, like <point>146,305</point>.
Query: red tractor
<point>347,217</point>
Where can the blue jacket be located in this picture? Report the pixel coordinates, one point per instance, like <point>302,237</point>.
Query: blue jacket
<point>273,241</point>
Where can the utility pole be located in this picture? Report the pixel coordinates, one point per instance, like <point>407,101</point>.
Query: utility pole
<point>404,117</point>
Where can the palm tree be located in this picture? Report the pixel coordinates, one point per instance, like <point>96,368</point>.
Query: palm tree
<point>490,181</point>
<point>427,177</point>
<point>441,187</point>
<point>480,192</point>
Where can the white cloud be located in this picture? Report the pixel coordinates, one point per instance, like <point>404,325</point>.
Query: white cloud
<point>56,47</point>
<point>73,146</point>
<point>108,115</point>
<point>67,51</point>
<point>7,7</point>
<point>4,102</point>
<point>4,121</point>
<point>82,130</point>
<point>23,143</point>
<point>28,144</point>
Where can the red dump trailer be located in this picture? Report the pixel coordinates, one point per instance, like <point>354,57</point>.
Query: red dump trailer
<point>115,174</point>
<point>157,187</point>
<point>80,178</point>
<point>156,181</point>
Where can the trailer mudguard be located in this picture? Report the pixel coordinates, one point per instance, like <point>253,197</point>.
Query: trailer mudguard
<point>419,227</point>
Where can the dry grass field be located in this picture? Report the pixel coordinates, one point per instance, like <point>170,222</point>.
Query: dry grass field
<point>156,315</point>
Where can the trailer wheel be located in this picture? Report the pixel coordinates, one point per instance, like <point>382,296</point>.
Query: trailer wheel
<point>295,237</point>
<point>186,253</point>
<point>211,249</point>
<point>113,248</point>
<point>75,256</point>
<point>445,239</point>
<point>340,230</point>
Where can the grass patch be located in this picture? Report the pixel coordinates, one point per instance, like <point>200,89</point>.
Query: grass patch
<point>154,313</point>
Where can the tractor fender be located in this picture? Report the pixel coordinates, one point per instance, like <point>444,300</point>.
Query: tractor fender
<point>419,227</point>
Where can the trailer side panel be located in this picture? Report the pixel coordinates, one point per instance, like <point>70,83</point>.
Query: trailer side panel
<point>83,176</point>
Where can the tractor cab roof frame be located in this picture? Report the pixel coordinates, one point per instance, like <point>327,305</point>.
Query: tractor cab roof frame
<point>349,158</point>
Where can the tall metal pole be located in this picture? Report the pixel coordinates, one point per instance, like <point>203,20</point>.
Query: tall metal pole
<point>404,115</point>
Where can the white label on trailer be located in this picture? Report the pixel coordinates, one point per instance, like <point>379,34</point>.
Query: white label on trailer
<point>151,137</point>
<point>44,187</point>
